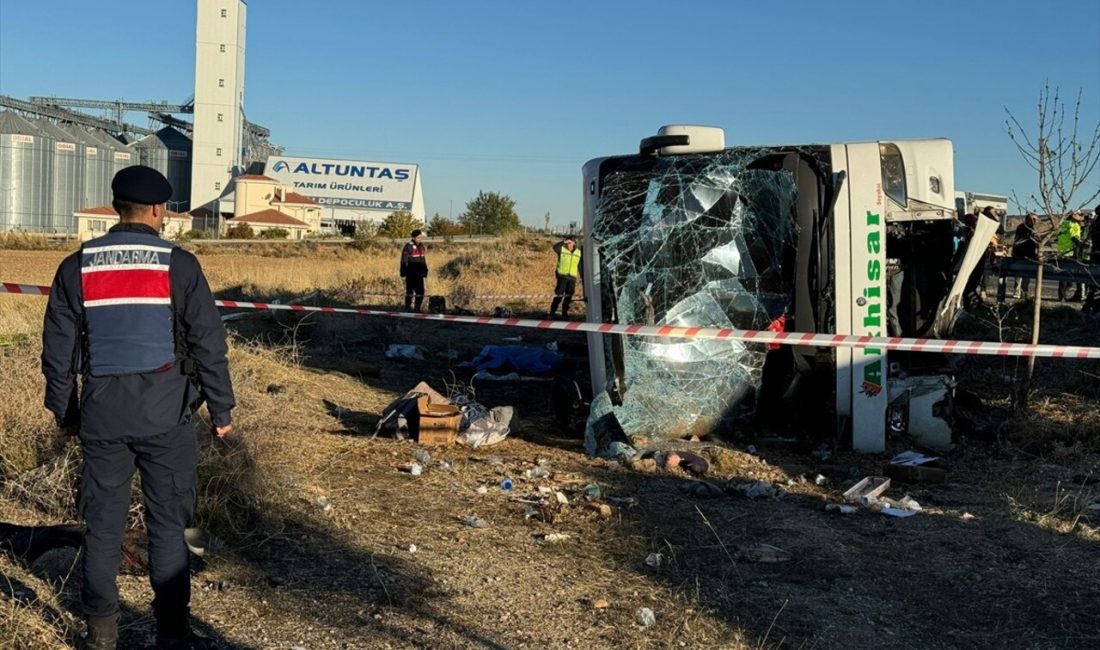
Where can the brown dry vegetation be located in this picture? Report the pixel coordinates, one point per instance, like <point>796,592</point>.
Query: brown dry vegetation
<point>999,558</point>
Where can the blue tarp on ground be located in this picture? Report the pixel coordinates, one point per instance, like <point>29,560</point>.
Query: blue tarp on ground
<point>515,357</point>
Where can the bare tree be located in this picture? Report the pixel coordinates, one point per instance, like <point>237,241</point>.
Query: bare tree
<point>1065,154</point>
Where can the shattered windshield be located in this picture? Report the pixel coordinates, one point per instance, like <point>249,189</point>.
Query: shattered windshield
<point>700,241</point>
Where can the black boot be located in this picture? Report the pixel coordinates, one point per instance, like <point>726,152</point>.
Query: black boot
<point>102,633</point>
<point>174,633</point>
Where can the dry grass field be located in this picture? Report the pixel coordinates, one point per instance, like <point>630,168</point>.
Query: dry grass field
<point>326,545</point>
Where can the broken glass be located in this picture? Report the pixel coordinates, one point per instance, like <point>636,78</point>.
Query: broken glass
<point>701,241</point>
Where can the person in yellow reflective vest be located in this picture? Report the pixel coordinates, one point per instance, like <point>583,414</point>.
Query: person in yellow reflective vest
<point>1069,243</point>
<point>567,272</point>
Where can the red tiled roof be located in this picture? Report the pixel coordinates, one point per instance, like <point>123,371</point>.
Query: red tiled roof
<point>294,197</point>
<point>270,217</point>
<point>109,211</point>
<point>255,177</point>
<point>102,210</point>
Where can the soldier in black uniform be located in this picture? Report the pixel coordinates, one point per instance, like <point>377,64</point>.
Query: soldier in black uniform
<point>133,316</point>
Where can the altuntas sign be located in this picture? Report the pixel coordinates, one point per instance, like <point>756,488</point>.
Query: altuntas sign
<point>353,184</point>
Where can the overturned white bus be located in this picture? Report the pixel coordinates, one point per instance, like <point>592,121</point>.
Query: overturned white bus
<point>851,238</point>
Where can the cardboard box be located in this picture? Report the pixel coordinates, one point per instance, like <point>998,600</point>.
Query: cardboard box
<point>438,423</point>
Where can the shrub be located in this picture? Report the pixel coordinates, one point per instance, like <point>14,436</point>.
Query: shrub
<point>192,234</point>
<point>275,233</point>
<point>239,231</point>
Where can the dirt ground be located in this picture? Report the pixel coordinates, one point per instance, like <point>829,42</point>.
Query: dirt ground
<point>327,545</point>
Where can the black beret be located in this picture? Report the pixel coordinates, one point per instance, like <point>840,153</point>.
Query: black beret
<point>416,233</point>
<point>141,184</point>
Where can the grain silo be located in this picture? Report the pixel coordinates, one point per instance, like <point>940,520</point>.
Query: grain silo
<point>25,167</point>
<point>97,169</point>
<point>66,179</point>
<point>169,152</point>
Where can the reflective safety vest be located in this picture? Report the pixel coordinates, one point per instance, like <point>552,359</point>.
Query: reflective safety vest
<point>127,304</point>
<point>569,262</point>
<point>1069,231</point>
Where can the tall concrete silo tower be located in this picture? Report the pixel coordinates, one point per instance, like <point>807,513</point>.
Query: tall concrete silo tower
<point>217,153</point>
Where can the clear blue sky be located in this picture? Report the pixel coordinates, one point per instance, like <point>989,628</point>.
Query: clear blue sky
<point>515,96</point>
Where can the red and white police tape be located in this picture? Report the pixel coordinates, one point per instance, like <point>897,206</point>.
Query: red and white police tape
<point>517,296</point>
<point>666,331</point>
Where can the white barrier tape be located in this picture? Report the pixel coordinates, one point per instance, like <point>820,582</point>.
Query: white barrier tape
<point>746,336</point>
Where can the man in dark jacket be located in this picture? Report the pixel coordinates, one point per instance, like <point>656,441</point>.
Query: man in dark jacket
<point>133,315</point>
<point>414,268</point>
<point>1025,246</point>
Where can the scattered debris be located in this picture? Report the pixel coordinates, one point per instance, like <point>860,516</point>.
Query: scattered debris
<point>654,560</point>
<point>867,489</point>
<point>645,617</point>
<point>404,351</point>
<point>842,509</point>
<point>693,463</point>
<point>323,503</point>
<point>409,468</point>
<point>481,426</point>
<point>704,490</point>
<point>506,484</point>
<point>592,491</point>
<point>276,389</point>
<point>474,521</point>
<point>540,471</point>
<point>481,489</point>
<point>603,509</point>
<point>412,548</point>
<point>623,502</point>
<point>600,603</point>
<point>647,465</point>
<point>422,456</point>
<point>757,489</point>
<point>553,538</point>
<point>900,513</point>
<point>966,516</point>
<point>912,466</point>
<point>199,542</point>
<point>561,498</point>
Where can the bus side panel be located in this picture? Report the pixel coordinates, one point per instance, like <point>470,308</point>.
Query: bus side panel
<point>590,262</point>
<point>842,243</point>
<point>867,298</point>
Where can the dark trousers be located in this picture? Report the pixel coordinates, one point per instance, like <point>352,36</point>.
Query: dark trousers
<point>414,292</point>
<point>167,463</point>
<point>563,293</point>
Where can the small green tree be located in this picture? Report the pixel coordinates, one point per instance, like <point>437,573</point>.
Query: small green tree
<point>490,213</point>
<point>443,227</point>
<point>239,231</point>
<point>399,224</point>
<point>275,233</point>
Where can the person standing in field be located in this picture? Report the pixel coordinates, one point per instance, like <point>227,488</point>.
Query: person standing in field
<point>1025,247</point>
<point>414,268</point>
<point>1068,243</point>
<point>567,273</point>
<point>133,316</point>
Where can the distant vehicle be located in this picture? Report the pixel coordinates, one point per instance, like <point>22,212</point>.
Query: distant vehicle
<point>973,202</point>
<point>846,238</point>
